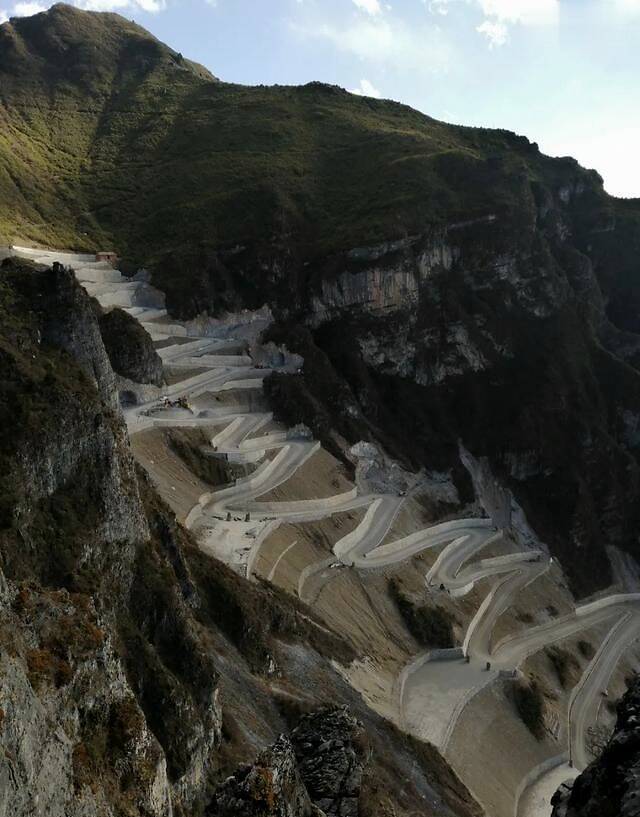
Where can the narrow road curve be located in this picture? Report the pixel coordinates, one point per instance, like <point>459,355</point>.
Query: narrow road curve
<point>587,696</point>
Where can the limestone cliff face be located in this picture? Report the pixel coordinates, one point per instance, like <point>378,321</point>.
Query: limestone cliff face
<point>68,456</point>
<point>83,667</point>
<point>66,322</point>
<point>610,786</point>
<point>381,279</point>
<point>66,703</point>
<point>507,334</point>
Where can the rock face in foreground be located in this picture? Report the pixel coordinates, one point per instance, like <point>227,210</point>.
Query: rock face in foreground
<point>130,348</point>
<point>610,786</point>
<point>330,748</point>
<point>316,772</point>
<point>270,787</point>
<point>137,673</point>
<point>75,740</point>
<point>98,715</point>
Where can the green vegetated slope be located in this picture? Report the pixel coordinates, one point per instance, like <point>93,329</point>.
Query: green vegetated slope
<point>77,92</point>
<point>108,137</point>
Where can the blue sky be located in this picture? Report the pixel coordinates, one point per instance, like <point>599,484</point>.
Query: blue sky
<point>564,72</point>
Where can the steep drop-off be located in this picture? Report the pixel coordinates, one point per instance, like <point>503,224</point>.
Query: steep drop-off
<point>610,786</point>
<point>136,672</point>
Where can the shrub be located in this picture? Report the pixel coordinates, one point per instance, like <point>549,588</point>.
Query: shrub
<point>586,649</point>
<point>529,702</point>
<point>188,446</point>
<point>564,663</point>
<point>430,626</point>
<point>45,667</point>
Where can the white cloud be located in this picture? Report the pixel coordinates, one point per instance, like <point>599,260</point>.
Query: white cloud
<point>627,6</point>
<point>497,33</point>
<point>366,88</point>
<point>372,7</point>
<point>152,6</point>
<point>499,14</point>
<point>386,41</point>
<point>101,5</point>
<point>27,9</point>
<point>3,16</point>
<point>368,41</point>
<point>437,6</point>
<point>527,12</point>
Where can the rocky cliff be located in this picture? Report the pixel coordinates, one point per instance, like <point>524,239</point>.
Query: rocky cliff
<point>137,673</point>
<point>506,334</point>
<point>610,787</point>
<point>82,664</point>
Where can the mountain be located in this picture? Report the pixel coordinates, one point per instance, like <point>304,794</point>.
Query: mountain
<point>193,620</point>
<point>444,283</point>
<point>103,122</point>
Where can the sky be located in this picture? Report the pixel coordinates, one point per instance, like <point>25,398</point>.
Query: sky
<point>565,73</point>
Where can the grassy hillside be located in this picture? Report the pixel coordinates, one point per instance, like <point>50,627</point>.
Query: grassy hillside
<point>109,138</point>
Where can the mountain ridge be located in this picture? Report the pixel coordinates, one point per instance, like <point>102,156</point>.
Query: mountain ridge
<point>294,160</point>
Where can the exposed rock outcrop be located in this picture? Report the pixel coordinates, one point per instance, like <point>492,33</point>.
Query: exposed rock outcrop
<point>66,322</point>
<point>130,348</point>
<point>270,787</point>
<point>610,786</point>
<point>75,740</point>
<point>316,772</point>
<point>330,748</point>
<point>67,472</point>
<point>506,342</point>
<point>102,658</point>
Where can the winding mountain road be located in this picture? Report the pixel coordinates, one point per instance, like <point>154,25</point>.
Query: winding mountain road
<point>434,689</point>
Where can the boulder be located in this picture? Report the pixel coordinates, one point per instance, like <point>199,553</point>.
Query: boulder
<point>130,348</point>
